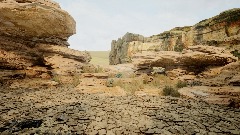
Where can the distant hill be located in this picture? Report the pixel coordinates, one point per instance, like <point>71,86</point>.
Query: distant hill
<point>100,57</point>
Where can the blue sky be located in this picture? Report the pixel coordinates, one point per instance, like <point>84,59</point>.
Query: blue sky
<point>101,21</point>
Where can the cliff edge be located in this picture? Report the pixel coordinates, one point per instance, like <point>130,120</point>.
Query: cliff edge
<point>222,30</point>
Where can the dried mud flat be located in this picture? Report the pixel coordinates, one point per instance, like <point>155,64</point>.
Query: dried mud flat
<point>67,111</point>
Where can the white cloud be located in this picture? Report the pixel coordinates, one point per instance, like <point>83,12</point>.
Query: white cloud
<point>101,21</point>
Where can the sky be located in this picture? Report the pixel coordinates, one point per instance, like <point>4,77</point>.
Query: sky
<point>101,21</point>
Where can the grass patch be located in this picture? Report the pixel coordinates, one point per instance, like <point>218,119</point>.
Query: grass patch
<point>76,80</point>
<point>181,84</point>
<point>71,81</point>
<point>135,85</point>
<point>92,69</point>
<point>130,87</point>
<point>170,91</point>
<point>57,79</point>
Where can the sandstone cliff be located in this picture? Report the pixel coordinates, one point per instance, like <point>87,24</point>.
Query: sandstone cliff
<point>33,40</point>
<point>221,30</point>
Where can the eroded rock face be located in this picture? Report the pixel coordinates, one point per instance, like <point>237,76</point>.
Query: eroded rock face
<point>222,30</point>
<point>119,52</point>
<point>33,39</point>
<point>35,20</point>
<point>194,59</point>
<point>228,75</point>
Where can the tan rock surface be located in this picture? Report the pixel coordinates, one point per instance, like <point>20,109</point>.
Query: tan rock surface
<point>221,30</point>
<point>194,59</point>
<point>27,19</point>
<point>34,47</point>
<point>227,75</point>
<point>214,95</point>
<point>33,84</point>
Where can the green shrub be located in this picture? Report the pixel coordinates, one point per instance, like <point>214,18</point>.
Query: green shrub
<point>195,83</point>
<point>76,80</point>
<point>110,83</point>
<point>119,75</point>
<point>178,48</point>
<point>57,79</point>
<point>181,84</point>
<point>170,91</point>
<point>236,53</point>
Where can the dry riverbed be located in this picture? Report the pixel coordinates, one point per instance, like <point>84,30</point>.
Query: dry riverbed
<point>68,111</point>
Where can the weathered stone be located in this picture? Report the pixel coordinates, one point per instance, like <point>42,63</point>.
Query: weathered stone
<point>25,19</point>
<point>29,44</point>
<point>221,30</point>
<point>193,60</point>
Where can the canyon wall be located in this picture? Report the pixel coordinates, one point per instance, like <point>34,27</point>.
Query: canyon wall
<point>33,40</point>
<point>222,30</point>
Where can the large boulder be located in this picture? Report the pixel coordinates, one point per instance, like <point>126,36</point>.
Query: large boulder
<point>222,30</point>
<point>33,40</point>
<point>35,20</point>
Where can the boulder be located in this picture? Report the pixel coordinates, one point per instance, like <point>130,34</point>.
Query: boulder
<point>35,20</point>
<point>33,39</point>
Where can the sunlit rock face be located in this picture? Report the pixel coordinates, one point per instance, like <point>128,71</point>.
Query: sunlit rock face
<point>194,59</point>
<point>222,30</point>
<point>34,33</point>
<point>35,20</point>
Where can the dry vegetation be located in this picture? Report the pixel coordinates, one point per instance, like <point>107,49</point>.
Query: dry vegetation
<point>100,58</point>
<point>93,69</point>
<point>130,82</point>
<point>164,84</point>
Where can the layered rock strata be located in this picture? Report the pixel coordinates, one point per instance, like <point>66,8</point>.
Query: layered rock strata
<point>33,39</point>
<point>194,59</point>
<point>221,30</point>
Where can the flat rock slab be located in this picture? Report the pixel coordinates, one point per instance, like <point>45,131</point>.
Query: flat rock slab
<point>68,111</point>
<point>213,95</point>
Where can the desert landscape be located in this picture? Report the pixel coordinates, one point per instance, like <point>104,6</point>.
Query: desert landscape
<point>182,81</point>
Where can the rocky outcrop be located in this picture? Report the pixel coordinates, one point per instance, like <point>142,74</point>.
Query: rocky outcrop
<point>228,96</point>
<point>222,30</point>
<point>35,21</point>
<point>33,39</point>
<point>227,75</point>
<point>193,60</point>
<point>119,51</point>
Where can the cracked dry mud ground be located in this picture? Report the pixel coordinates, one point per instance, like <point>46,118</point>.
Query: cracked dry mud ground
<point>67,111</point>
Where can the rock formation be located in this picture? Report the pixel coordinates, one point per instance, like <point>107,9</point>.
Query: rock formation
<point>33,40</point>
<point>194,60</point>
<point>222,30</point>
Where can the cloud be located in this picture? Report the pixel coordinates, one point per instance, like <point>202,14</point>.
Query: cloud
<point>101,21</point>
